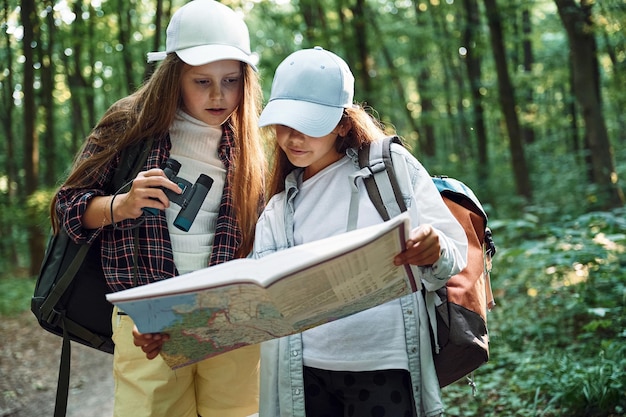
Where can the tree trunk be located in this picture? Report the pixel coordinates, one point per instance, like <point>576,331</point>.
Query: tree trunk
<point>528,60</point>
<point>614,45</point>
<point>8,106</point>
<point>507,102</point>
<point>393,74</point>
<point>47,89</point>
<point>458,130</point>
<point>474,75</point>
<point>28,15</point>
<point>364,63</point>
<point>156,44</point>
<point>89,93</point>
<point>9,250</point>
<point>76,82</point>
<point>344,36</point>
<point>427,136</point>
<point>579,24</point>
<point>124,30</point>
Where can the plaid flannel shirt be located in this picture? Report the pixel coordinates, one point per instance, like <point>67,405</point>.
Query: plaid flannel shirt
<point>155,258</point>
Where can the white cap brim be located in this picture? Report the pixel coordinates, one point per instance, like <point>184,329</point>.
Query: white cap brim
<point>312,119</point>
<point>204,54</point>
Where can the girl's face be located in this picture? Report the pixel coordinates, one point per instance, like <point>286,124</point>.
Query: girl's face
<point>211,92</point>
<point>311,153</point>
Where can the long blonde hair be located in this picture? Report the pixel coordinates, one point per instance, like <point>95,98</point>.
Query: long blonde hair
<point>366,128</point>
<point>149,112</point>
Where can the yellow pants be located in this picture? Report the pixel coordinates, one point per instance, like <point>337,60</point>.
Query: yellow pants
<point>226,385</point>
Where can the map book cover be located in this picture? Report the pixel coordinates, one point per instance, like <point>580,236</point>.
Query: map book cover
<point>248,301</point>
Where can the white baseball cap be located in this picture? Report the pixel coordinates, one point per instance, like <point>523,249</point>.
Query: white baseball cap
<point>204,31</point>
<point>311,88</point>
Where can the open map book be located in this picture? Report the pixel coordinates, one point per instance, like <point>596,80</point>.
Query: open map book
<point>248,301</point>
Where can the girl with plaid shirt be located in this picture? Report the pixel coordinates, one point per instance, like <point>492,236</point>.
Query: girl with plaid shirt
<point>200,107</point>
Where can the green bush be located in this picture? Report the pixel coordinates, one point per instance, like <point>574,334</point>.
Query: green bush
<point>16,294</point>
<point>15,220</point>
<point>558,344</point>
<point>37,208</point>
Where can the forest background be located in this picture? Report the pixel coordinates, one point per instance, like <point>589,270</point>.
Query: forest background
<point>523,100</point>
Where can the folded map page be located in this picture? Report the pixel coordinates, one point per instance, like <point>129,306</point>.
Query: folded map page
<point>248,301</point>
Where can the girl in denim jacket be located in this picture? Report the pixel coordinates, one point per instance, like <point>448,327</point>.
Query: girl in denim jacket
<point>377,362</point>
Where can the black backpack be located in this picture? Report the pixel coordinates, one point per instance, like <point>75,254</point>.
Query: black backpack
<point>462,304</point>
<point>69,297</point>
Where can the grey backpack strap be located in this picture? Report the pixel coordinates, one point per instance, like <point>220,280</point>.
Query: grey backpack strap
<point>379,179</point>
<point>382,185</point>
<point>353,213</point>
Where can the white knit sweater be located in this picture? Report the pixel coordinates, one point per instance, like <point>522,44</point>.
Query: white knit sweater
<point>195,145</point>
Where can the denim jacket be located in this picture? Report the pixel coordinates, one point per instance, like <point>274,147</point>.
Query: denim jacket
<point>282,385</point>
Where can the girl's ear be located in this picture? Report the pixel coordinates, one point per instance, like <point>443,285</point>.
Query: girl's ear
<point>344,127</point>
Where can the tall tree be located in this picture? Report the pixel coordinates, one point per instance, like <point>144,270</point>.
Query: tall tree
<point>316,29</point>
<point>453,82</point>
<point>474,74</point>
<point>579,25</point>
<point>423,81</point>
<point>28,15</point>
<point>507,101</point>
<point>527,62</point>
<point>8,249</point>
<point>8,105</point>
<point>77,83</point>
<point>30,22</point>
<point>394,73</point>
<point>126,10</point>
<point>47,97</point>
<point>156,41</point>
<point>614,40</point>
<point>89,92</point>
<point>364,63</point>
<point>125,28</point>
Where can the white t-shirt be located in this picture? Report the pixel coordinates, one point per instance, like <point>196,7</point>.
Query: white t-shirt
<point>372,339</point>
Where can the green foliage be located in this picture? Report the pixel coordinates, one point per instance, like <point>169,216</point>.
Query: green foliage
<point>16,294</point>
<point>558,344</point>
<point>403,54</point>
<point>38,208</point>
<point>14,220</point>
<point>592,386</point>
<point>13,242</point>
<point>540,381</point>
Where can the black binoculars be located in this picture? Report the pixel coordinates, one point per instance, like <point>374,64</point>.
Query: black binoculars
<point>191,198</point>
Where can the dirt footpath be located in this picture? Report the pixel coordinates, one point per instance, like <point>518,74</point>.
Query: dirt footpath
<point>29,365</point>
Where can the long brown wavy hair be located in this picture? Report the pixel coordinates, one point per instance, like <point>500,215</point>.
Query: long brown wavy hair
<point>366,128</point>
<point>149,112</point>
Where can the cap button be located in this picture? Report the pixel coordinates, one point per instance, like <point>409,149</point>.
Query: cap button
<point>318,48</point>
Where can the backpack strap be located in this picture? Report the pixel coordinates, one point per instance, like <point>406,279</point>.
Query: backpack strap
<point>379,179</point>
<point>384,191</point>
<point>135,154</point>
<point>131,161</point>
<point>48,307</point>
<point>382,185</point>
